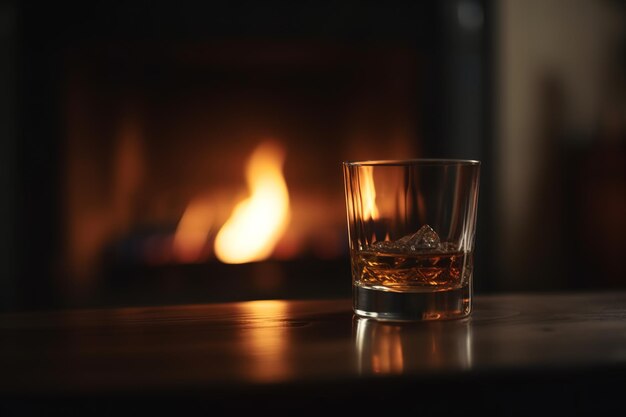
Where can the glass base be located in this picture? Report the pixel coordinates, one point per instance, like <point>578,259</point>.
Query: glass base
<point>412,306</point>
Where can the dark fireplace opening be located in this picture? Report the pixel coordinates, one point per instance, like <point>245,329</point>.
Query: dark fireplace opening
<point>140,128</point>
<point>158,146</point>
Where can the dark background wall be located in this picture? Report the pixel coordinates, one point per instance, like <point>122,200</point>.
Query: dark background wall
<point>535,90</point>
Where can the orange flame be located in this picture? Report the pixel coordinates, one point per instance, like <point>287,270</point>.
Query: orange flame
<point>193,229</point>
<point>258,222</point>
<point>370,210</point>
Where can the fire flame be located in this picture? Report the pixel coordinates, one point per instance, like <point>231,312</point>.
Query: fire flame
<point>370,210</point>
<point>258,222</point>
<point>193,229</point>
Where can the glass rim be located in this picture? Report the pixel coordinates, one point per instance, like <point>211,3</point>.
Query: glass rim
<point>415,161</point>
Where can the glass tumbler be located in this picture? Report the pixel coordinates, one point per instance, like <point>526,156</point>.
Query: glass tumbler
<point>411,228</point>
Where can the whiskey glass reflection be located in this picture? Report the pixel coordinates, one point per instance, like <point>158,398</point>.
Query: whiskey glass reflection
<point>397,348</point>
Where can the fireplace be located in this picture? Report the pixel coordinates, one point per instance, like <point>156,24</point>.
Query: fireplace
<point>150,138</point>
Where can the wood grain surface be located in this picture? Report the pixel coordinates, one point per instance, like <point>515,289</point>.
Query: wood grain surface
<point>567,350</point>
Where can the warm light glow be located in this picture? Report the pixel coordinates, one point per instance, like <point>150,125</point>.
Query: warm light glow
<point>258,222</point>
<point>192,230</point>
<point>370,211</point>
<point>265,340</point>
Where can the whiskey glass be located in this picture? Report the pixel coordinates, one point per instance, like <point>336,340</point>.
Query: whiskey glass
<point>411,229</point>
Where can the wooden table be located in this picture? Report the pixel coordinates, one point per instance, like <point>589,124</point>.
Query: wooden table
<point>519,354</point>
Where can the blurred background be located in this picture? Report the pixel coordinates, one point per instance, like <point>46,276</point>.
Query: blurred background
<point>131,131</point>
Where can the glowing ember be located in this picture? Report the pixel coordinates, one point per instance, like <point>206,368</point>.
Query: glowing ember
<point>258,222</point>
<point>370,211</point>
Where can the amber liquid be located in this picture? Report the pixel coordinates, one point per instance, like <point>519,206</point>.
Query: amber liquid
<point>412,286</point>
<point>410,272</point>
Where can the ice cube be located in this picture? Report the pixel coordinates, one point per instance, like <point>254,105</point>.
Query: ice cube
<point>387,246</point>
<point>424,238</point>
<point>447,247</point>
